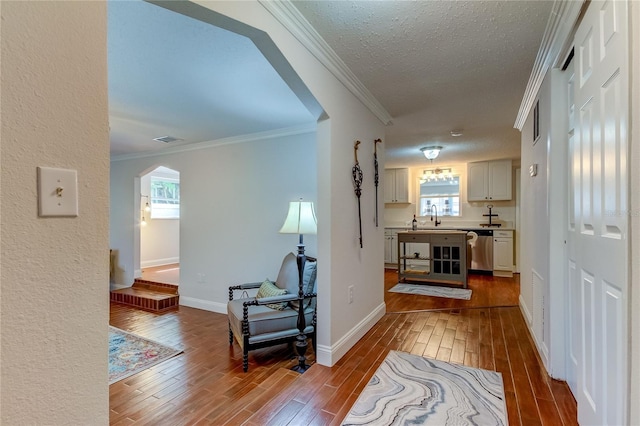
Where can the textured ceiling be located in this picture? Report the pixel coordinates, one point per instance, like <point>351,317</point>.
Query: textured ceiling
<point>437,66</point>
<point>173,75</point>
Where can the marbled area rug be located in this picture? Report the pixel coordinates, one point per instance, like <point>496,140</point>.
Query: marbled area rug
<point>411,390</point>
<point>431,290</point>
<point>129,354</point>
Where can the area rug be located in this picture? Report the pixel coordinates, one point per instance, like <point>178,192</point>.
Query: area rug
<point>129,354</point>
<point>430,290</point>
<point>411,390</point>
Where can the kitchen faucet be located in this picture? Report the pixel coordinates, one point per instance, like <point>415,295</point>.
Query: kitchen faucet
<point>436,207</point>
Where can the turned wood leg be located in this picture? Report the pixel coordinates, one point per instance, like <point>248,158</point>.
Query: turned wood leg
<point>230,336</point>
<point>245,361</point>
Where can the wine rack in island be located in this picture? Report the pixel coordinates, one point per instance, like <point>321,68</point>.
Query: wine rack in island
<point>433,257</point>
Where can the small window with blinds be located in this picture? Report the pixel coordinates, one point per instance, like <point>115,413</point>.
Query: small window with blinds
<point>442,191</point>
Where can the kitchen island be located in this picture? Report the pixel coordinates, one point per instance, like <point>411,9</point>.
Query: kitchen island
<point>436,257</point>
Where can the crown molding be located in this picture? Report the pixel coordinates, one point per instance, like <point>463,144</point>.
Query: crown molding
<point>251,137</point>
<point>291,18</point>
<point>555,42</point>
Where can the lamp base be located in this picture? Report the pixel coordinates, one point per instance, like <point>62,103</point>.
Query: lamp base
<point>301,349</point>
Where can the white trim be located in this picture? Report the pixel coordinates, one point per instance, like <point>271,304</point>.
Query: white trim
<point>137,273</point>
<point>559,30</point>
<point>251,137</point>
<point>329,355</point>
<point>291,18</point>
<point>192,302</point>
<point>634,220</point>
<point>159,262</point>
<point>525,312</point>
<point>542,349</point>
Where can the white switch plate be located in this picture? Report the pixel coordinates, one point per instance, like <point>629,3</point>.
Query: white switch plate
<point>57,192</point>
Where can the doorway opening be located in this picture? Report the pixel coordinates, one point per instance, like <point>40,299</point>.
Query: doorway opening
<point>160,226</point>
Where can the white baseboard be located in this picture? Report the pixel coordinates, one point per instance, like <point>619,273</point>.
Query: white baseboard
<point>542,349</point>
<point>525,312</point>
<point>207,305</point>
<point>329,355</point>
<point>159,262</point>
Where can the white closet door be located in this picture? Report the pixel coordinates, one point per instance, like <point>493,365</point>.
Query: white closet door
<point>598,238</point>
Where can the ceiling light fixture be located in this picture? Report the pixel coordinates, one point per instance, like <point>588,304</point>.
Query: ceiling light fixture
<point>431,152</point>
<point>456,133</point>
<point>436,174</point>
<point>167,139</point>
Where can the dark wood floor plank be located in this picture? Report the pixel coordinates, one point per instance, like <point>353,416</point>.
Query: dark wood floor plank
<point>565,401</point>
<point>206,385</point>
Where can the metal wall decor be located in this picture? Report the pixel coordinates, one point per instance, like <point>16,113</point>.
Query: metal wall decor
<point>357,183</point>
<point>376,176</point>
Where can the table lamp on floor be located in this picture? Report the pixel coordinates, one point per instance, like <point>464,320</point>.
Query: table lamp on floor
<point>300,220</point>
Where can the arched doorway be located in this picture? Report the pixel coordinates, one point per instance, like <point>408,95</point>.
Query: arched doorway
<point>160,226</point>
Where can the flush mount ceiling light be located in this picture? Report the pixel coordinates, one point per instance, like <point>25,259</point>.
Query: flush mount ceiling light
<point>167,139</point>
<point>456,133</point>
<point>431,152</point>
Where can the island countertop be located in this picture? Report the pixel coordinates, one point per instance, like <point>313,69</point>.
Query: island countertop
<point>434,231</point>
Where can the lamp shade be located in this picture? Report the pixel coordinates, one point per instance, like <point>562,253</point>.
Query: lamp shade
<point>431,152</point>
<point>301,219</point>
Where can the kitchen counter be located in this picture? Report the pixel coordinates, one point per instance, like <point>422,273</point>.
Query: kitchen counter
<point>434,231</point>
<point>450,228</point>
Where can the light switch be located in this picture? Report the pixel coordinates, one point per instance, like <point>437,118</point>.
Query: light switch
<point>57,192</point>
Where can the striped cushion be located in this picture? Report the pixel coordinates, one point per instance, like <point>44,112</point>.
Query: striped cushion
<point>269,289</point>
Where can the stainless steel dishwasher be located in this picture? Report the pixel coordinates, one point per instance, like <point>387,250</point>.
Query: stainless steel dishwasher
<point>482,252</point>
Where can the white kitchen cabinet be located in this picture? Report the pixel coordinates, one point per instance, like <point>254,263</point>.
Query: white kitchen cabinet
<point>503,253</point>
<point>396,185</point>
<point>390,247</point>
<point>489,181</point>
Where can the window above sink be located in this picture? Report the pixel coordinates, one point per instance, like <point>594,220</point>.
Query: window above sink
<point>440,189</point>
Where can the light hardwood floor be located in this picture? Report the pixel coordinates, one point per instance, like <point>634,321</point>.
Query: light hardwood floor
<point>166,274</point>
<point>206,385</point>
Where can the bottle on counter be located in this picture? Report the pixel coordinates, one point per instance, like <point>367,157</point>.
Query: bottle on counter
<point>414,223</point>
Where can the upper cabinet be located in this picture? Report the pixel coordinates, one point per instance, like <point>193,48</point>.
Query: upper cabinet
<point>489,180</point>
<point>396,185</point>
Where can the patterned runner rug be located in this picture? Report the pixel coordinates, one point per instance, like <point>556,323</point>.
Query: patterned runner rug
<point>129,354</point>
<point>430,290</point>
<point>410,390</point>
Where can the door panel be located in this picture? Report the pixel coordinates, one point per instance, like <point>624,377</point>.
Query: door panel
<point>589,385</point>
<point>598,222</point>
<point>574,332</point>
<point>613,341</point>
<point>614,168</point>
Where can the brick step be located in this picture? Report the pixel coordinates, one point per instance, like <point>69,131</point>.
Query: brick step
<point>155,286</point>
<point>148,296</point>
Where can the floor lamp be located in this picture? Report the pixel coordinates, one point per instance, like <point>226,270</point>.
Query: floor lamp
<point>300,220</point>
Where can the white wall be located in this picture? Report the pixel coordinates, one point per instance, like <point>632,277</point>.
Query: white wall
<point>54,298</point>
<point>234,199</point>
<point>160,238</point>
<point>534,244</point>
<point>544,221</point>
